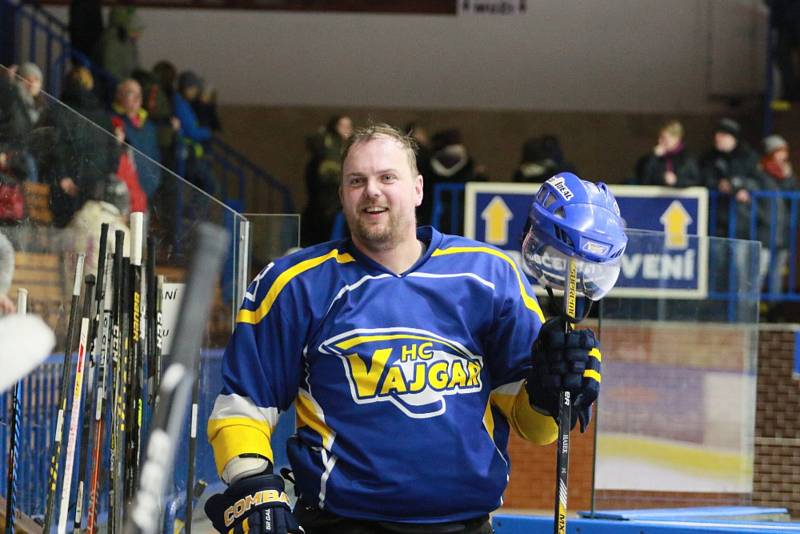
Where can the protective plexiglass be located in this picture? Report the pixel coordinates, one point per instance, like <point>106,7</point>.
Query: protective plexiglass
<point>46,237</point>
<point>676,413</point>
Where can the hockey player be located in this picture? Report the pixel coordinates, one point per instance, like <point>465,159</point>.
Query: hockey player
<point>407,354</point>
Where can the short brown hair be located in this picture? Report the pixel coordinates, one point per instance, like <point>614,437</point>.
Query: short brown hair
<point>381,129</point>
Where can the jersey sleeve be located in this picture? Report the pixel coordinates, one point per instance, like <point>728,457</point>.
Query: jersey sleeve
<point>260,370</point>
<point>518,319</point>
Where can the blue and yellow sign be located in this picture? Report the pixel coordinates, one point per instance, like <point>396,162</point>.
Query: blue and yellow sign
<point>669,264</point>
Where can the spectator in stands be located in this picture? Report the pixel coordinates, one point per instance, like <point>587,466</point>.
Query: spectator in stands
<point>23,107</point>
<point>419,133</point>
<point>83,154</point>
<point>126,169</point>
<point>85,26</point>
<point>322,179</point>
<point>780,177</point>
<point>7,305</point>
<point>140,133</point>
<point>108,203</point>
<point>785,21</point>
<point>731,168</point>
<point>118,51</point>
<point>669,163</point>
<point>159,104</point>
<point>452,163</point>
<point>193,136</point>
<point>542,157</point>
<point>205,107</point>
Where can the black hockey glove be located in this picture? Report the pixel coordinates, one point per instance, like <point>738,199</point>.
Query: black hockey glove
<point>565,361</point>
<point>256,504</point>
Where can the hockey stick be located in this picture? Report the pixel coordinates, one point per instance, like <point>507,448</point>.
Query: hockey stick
<point>95,354</point>
<point>169,416</point>
<point>16,422</point>
<point>115,497</point>
<point>150,321</point>
<point>565,410</point>
<point>100,398</point>
<point>55,458</point>
<point>77,394</point>
<point>133,417</point>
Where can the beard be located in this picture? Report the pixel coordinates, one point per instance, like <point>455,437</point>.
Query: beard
<point>380,236</point>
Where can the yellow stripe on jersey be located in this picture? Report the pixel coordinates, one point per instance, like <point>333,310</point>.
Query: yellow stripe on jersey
<point>253,317</point>
<point>595,353</point>
<point>529,301</point>
<point>310,414</point>
<point>233,436</point>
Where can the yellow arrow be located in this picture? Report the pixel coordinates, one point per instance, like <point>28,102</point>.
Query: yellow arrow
<point>496,215</point>
<point>676,221</point>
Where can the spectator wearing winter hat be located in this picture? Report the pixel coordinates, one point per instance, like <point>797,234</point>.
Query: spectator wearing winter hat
<point>780,177</point>
<point>668,163</point>
<point>24,109</point>
<point>730,167</point>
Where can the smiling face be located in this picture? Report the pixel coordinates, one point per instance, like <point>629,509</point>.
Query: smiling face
<point>379,194</point>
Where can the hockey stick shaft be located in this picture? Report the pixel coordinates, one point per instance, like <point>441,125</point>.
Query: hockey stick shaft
<point>77,395</point>
<point>115,498</point>
<point>55,458</point>
<point>565,411</point>
<point>168,419</point>
<point>133,416</point>
<point>16,423</point>
<point>100,401</point>
<point>95,339</point>
<point>150,321</point>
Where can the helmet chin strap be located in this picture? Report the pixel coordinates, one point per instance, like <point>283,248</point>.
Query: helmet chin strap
<point>584,305</point>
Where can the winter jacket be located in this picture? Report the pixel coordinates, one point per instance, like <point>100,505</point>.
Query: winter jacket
<point>142,135</point>
<point>650,169</point>
<point>740,167</point>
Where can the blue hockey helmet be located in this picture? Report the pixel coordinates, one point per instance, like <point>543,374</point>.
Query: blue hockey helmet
<point>574,219</point>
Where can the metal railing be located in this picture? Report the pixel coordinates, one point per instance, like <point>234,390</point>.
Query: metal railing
<point>40,37</point>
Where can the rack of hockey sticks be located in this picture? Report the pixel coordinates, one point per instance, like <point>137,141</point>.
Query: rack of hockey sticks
<point>109,388</point>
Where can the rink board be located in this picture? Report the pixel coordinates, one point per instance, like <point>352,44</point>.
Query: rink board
<point>510,524</point>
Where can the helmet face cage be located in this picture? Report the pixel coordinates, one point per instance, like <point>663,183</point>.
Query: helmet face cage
<point>549,265</point>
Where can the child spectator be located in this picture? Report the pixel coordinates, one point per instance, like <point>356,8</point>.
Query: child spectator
<point>669,163</point>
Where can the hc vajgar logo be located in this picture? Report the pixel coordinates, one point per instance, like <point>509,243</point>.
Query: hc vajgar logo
<point>413,369</point>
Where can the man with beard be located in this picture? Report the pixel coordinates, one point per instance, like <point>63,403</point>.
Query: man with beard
<point>407,354</point>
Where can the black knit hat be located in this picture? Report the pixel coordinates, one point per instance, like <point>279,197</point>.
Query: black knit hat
<point>729,126</point>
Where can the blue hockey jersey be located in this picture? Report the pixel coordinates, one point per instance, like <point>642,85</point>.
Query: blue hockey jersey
<point>405,385</point>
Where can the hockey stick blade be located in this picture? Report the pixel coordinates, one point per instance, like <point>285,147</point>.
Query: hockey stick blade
<point>168,419</point>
